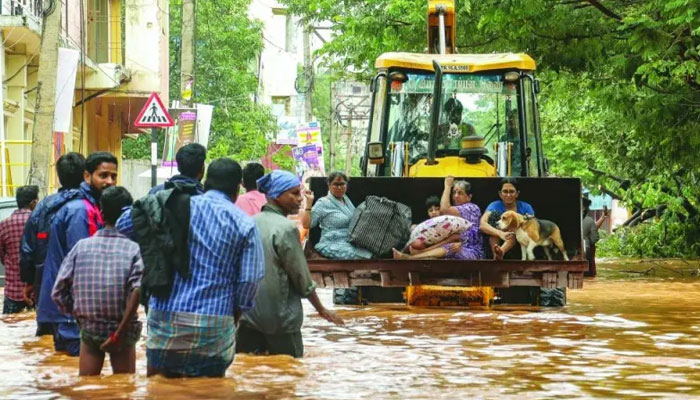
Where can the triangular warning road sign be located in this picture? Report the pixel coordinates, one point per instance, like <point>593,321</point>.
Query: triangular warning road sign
<point>154,114</point>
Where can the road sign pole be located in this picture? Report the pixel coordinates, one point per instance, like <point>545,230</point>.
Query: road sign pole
<point>154,156</point>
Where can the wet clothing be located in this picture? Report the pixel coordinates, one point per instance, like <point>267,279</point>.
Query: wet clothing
<point>191,332</point>
<point>287,280</point>
<point>93,341</point>
<point>66,337</point>
<point>250,340</point>
<point>188,344</point>
<point>11,230</point>
<point>79,218</point>
<point>35,242</point>
<point>522,207</point>
<point>472,248</point>
<point>96,279</point>
<point>178,179</point>
<point>590,238</point>
<point>161,224</point>
<point>251,202</point>
<point>10,306</point>
<point>333,216</point>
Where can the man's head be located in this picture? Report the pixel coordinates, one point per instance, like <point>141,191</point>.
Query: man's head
<point>251,173</point>
<point>190,160</point>
<point>70,168</point>
<point>283,189</point>
<point>112,201</point>
<point>27,196</point>
<point>224,175</point>
<point>101,170</point>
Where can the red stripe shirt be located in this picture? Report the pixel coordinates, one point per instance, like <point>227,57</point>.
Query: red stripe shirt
<point>11,230</point>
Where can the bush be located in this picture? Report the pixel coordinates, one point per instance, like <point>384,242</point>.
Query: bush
<point>659,239</point>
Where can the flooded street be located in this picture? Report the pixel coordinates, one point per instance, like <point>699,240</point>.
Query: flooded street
<point>616,338</point>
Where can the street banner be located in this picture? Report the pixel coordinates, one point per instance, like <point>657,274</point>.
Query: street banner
<point>65,87</point>
<point>287,130</point>
<point>180,134</point>
<point>204,115</point>
<point>309,133</point>
<point>308,163</point>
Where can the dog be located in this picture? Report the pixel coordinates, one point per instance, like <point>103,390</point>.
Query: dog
<point>531,232</point>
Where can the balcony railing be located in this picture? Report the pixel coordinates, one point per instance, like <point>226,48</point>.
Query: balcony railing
<point>22,7</point>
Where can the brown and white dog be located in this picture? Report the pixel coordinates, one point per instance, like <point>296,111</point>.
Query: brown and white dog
<point>532,232</point>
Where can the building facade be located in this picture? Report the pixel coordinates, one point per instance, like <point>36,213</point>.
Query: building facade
<point>123,48</point>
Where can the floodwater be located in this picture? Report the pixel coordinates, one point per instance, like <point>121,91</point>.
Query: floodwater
<point>618,337</point>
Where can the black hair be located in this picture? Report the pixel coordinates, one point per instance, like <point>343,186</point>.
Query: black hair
<point>190,159</point>
<point>432,201</point>
<point>95,159</point>
<point>112,201</point>
<point>26,194</point>
<point>70,168</point>
<point>251,173</point>
<point>335,174</point>
<point>512,181</point>
<point>223,174</point>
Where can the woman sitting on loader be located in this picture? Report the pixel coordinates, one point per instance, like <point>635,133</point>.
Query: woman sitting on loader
<point>333,213</point>
<point>464,246</point>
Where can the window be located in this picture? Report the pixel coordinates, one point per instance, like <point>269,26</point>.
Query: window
<point>281,19</point>
<point>98,30</point>
<point>281,105</point>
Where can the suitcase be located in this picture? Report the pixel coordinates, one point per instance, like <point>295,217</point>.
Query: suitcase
<point>380,224</point>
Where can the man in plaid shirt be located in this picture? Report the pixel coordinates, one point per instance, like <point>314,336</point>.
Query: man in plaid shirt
<point>11,230</point>
<point>98,283</point>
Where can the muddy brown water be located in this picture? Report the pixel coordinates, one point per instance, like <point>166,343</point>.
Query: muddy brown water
<point>616,338</point>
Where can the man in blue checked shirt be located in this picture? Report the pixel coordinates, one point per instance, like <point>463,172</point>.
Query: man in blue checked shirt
<point>192,331</point>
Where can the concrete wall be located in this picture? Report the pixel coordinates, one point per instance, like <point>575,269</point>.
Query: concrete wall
<point>130,171</point>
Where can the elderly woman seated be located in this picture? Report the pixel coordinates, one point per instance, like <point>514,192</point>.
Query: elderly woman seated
<point>464,246</point>
<point>332,213</point>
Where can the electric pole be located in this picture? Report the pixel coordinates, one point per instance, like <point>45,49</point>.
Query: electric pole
<point>308,75</point>
<point>187,53</point>
<point>42,133</point>
<point>348,148</point>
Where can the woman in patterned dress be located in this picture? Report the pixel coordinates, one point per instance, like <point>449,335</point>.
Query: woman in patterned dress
<point>333,213</point>
<point>469,246</point>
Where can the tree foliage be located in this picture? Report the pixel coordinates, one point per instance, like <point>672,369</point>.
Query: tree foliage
<point>621,85</point>
<point>227,44</point>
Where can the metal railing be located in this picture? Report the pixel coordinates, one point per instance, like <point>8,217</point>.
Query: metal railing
<point>22,7</point>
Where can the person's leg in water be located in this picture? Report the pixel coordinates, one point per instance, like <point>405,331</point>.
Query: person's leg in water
<point>91,361</point>
<point>124,360</point>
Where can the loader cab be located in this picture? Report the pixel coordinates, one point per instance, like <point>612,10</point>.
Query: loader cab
<point>486,125</point>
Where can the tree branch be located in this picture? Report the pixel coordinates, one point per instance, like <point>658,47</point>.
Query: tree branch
<point>597,4</point>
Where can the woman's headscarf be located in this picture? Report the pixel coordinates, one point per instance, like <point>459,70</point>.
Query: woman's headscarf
<point>277,182</point>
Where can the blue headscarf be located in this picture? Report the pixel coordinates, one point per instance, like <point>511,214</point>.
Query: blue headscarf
<point>277,182</point>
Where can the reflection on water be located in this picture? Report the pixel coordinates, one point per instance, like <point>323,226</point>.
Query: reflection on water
<point>616,338</point>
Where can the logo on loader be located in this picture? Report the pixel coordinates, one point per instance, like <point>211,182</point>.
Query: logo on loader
<point>153,114</point>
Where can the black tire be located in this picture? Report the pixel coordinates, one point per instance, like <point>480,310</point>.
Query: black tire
<point>552,297</point>
<point>349,296</point>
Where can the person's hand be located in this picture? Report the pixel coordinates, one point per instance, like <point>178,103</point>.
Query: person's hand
<point>330,316</point>
<point>506,235</point>
<point>449,181</point>
<point>28,295</point>
<point>606,211</point>
<point>112,343</point>
<point>309,195</point>
<point>454,247</point>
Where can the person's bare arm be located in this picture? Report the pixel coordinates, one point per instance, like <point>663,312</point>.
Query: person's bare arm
<point>325,313</point>
<point>132,306</point>
<point>445,206</point>
<point>486,228</point>
<point>305,215</point>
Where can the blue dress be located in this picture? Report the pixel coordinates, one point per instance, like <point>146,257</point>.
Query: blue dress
<point>333,216</point>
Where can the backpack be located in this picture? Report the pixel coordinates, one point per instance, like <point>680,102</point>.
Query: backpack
<point>380,224</point>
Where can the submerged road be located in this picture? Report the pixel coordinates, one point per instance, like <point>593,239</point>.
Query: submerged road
<point>618,337</point>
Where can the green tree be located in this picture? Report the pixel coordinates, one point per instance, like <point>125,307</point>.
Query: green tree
<point>227,46</point>
<point>621,86</point>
